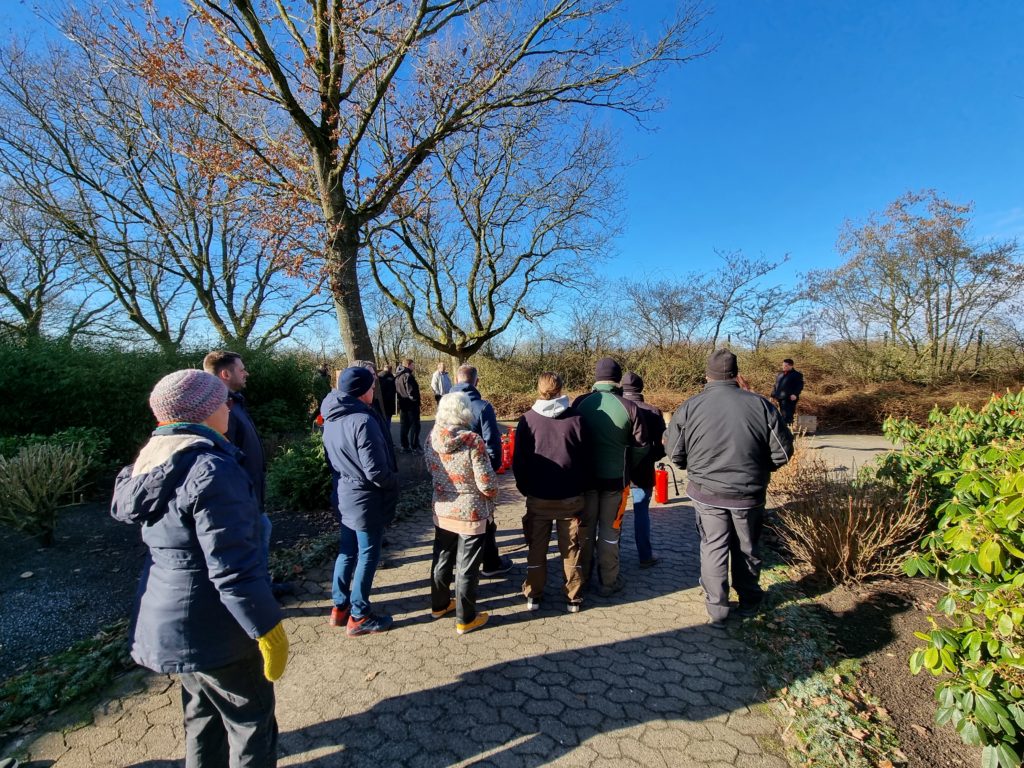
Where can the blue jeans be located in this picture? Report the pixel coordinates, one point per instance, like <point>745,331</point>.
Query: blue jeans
<point>642,522</point>
<point>358,555</point>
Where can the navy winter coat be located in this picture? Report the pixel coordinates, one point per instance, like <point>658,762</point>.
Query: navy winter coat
<point>204,595</point>
<point>362,461</point>
<point>485,423</point>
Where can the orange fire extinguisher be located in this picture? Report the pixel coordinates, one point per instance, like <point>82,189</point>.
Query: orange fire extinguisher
<point>661,483</point>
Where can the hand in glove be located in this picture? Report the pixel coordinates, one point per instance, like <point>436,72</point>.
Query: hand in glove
<point>274,647</point>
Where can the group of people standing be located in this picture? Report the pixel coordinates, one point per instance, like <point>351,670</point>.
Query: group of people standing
<point>206,608</point>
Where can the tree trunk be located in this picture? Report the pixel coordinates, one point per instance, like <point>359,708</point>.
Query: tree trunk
<point>342,253</point>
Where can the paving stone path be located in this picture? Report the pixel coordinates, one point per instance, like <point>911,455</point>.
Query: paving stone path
<point>637,679</point>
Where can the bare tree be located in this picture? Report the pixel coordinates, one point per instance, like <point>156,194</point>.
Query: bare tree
<point>731,286</point>
<point>663,313</point>
<point>492,229</point>
<point>392,339</point>
<point>914,277</point>
<point>89,149</point>
<point>370,90</point>
<point>42,287</point>
<point>764,311</point>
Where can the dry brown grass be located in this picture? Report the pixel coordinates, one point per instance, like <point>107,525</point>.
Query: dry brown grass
<point>842,528</point>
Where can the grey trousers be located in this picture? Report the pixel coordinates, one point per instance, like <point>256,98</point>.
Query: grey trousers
<point>229,716</point>
<point>725,534</point>
<point>599,529</point>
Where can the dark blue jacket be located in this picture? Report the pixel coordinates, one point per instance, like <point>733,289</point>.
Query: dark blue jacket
<point>204,595</point>
<point>243,435</point>
<point>485,423</point>
<point>362,461</point>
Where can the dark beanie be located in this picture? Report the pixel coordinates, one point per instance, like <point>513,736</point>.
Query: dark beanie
<point>632,383</point>
<point>722,365</point>
<point>355,381</point>
<point>607,370</point>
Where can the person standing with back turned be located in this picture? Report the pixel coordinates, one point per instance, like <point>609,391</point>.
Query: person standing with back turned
<point>729,441</point>
<point>485,424</point>
<point>619,438</point>
<point>365,493</point>
<point>641,475</point>
<point>407,390</point>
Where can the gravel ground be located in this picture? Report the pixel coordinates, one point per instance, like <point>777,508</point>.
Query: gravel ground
<point>55,596</point>
<point>86,580</point>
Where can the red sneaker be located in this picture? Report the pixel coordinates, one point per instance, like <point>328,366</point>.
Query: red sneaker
<point>339,617</point>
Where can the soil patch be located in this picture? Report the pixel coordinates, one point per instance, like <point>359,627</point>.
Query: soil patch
<point>876,623</point>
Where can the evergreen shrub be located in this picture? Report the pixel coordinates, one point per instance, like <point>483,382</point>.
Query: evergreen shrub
<point>49,386</point>
<point>971,465</point>
<point>298,478</point>
<point>34,482</point>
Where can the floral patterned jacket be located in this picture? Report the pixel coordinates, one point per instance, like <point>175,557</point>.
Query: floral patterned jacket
<point>465,484</point>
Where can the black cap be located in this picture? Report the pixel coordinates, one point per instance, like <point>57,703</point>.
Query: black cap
<point>607,370</point>
<point>722,365</point>
<point>632,383</point>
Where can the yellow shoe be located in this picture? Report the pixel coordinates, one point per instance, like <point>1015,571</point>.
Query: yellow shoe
<point>479,621</point>
<point>443,611</point>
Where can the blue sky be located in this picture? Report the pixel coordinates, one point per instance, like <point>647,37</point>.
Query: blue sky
<point>809,113</point>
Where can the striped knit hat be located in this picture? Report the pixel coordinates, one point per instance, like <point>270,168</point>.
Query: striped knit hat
<point>190,396</point>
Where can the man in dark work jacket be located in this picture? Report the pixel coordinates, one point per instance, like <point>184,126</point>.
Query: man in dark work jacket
<point>729,441</point>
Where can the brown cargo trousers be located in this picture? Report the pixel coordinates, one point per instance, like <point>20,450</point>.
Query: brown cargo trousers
<point>537,523</point>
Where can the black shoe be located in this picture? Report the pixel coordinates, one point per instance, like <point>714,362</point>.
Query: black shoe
<point>282,589</point>
<point>649,563</point>
<point>504,566</point>
<point>748,611</point>
<point>607,590</point>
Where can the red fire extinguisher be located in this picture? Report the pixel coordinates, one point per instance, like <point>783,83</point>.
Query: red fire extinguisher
<point>506,455</point>
<point>661,483</point>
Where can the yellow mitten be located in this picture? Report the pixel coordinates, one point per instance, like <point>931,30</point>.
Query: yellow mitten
<point>274,647</point>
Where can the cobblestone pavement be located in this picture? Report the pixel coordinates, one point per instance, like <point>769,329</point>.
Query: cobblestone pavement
<point>637,679</point>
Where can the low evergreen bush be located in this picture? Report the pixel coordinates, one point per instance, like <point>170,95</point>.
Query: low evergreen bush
<point>972,462</point>
<point>298,478</point>
<point>35,481</point>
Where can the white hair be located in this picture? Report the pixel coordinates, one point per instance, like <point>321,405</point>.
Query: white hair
<point>454,411</point>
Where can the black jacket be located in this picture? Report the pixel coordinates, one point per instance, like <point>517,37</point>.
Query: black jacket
<point>787,384</point>
<point>642,473</point>
<point>243,435</point>
<point>407,389</point>
<point>387,392</point>
<point>729,441</point>
<point>552,455</point>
